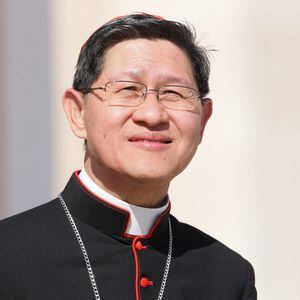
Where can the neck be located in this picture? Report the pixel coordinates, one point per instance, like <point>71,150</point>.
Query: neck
<point>130,190</point>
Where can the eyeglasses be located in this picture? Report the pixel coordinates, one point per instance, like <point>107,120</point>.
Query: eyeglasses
<point>131,93</point>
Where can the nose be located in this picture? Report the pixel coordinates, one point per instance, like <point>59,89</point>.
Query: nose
<point>150,112</point>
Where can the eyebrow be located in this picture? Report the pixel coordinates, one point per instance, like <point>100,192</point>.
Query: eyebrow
<point>177,80</point>
<point>136,75</point>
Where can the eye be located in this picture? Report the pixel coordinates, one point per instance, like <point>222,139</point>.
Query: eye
<point>130,88</point>
<point>177,92</point>
<point>125,89</point>
<point>171,94</point>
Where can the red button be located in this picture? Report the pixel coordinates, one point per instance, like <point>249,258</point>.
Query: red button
<point>145,282</point>
<point>139,246</point>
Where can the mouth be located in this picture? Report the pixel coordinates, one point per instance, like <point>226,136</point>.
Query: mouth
<point>157,138</point>
<point>151,141</point>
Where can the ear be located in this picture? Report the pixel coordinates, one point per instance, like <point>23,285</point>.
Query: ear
<point>206,113</point>
<point>74,105</point>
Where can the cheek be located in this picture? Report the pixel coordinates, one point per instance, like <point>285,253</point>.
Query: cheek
<point>104,122</point>
<point>94,124</point>
<point>191,136</point>
<point>189,126</point>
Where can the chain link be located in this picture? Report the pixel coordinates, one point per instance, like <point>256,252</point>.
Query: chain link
<point>168,263</point>
<point>82,247</point>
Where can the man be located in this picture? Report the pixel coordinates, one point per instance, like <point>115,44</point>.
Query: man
<point>138,101</point>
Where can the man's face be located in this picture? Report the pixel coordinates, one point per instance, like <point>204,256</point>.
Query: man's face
<point>147,142</point>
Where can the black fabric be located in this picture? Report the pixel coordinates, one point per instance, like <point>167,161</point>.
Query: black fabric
<point>40,257</point>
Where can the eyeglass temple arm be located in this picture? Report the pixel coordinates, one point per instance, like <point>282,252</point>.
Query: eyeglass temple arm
<point>91,89</point>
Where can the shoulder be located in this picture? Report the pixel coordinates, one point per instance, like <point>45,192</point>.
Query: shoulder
<point>205,249</point>
<point>29,225</point>
<point>30,214</point>
<point>196,239</point>
<point>195,250</point>
<point>222,268</point>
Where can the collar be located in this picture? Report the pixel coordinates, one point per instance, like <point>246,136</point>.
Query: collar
<point>140,220</point>
<point>104,215</point>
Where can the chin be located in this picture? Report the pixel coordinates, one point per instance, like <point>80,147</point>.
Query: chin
<point>152,176</point>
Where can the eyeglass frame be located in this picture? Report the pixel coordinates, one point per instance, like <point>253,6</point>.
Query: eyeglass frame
<point>86,91</point>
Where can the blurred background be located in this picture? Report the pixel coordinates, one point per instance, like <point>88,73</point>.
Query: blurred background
<point>242,186</point>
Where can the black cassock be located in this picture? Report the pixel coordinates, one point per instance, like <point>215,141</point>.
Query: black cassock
<point>40,257</point>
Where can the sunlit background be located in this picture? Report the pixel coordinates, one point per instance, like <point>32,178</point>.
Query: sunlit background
<point>243,184</point>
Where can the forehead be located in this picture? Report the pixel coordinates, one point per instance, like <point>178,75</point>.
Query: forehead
<point>147,59</point>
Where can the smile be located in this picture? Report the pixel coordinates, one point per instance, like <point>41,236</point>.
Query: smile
<point>154,138</point>
<point>151,141</point>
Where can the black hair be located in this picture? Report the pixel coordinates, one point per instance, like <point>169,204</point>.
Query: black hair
<point>134,26</point>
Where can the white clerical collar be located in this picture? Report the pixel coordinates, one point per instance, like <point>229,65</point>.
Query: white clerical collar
<point>141,218</point>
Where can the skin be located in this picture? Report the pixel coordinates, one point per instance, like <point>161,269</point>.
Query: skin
<point>123,155</point>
